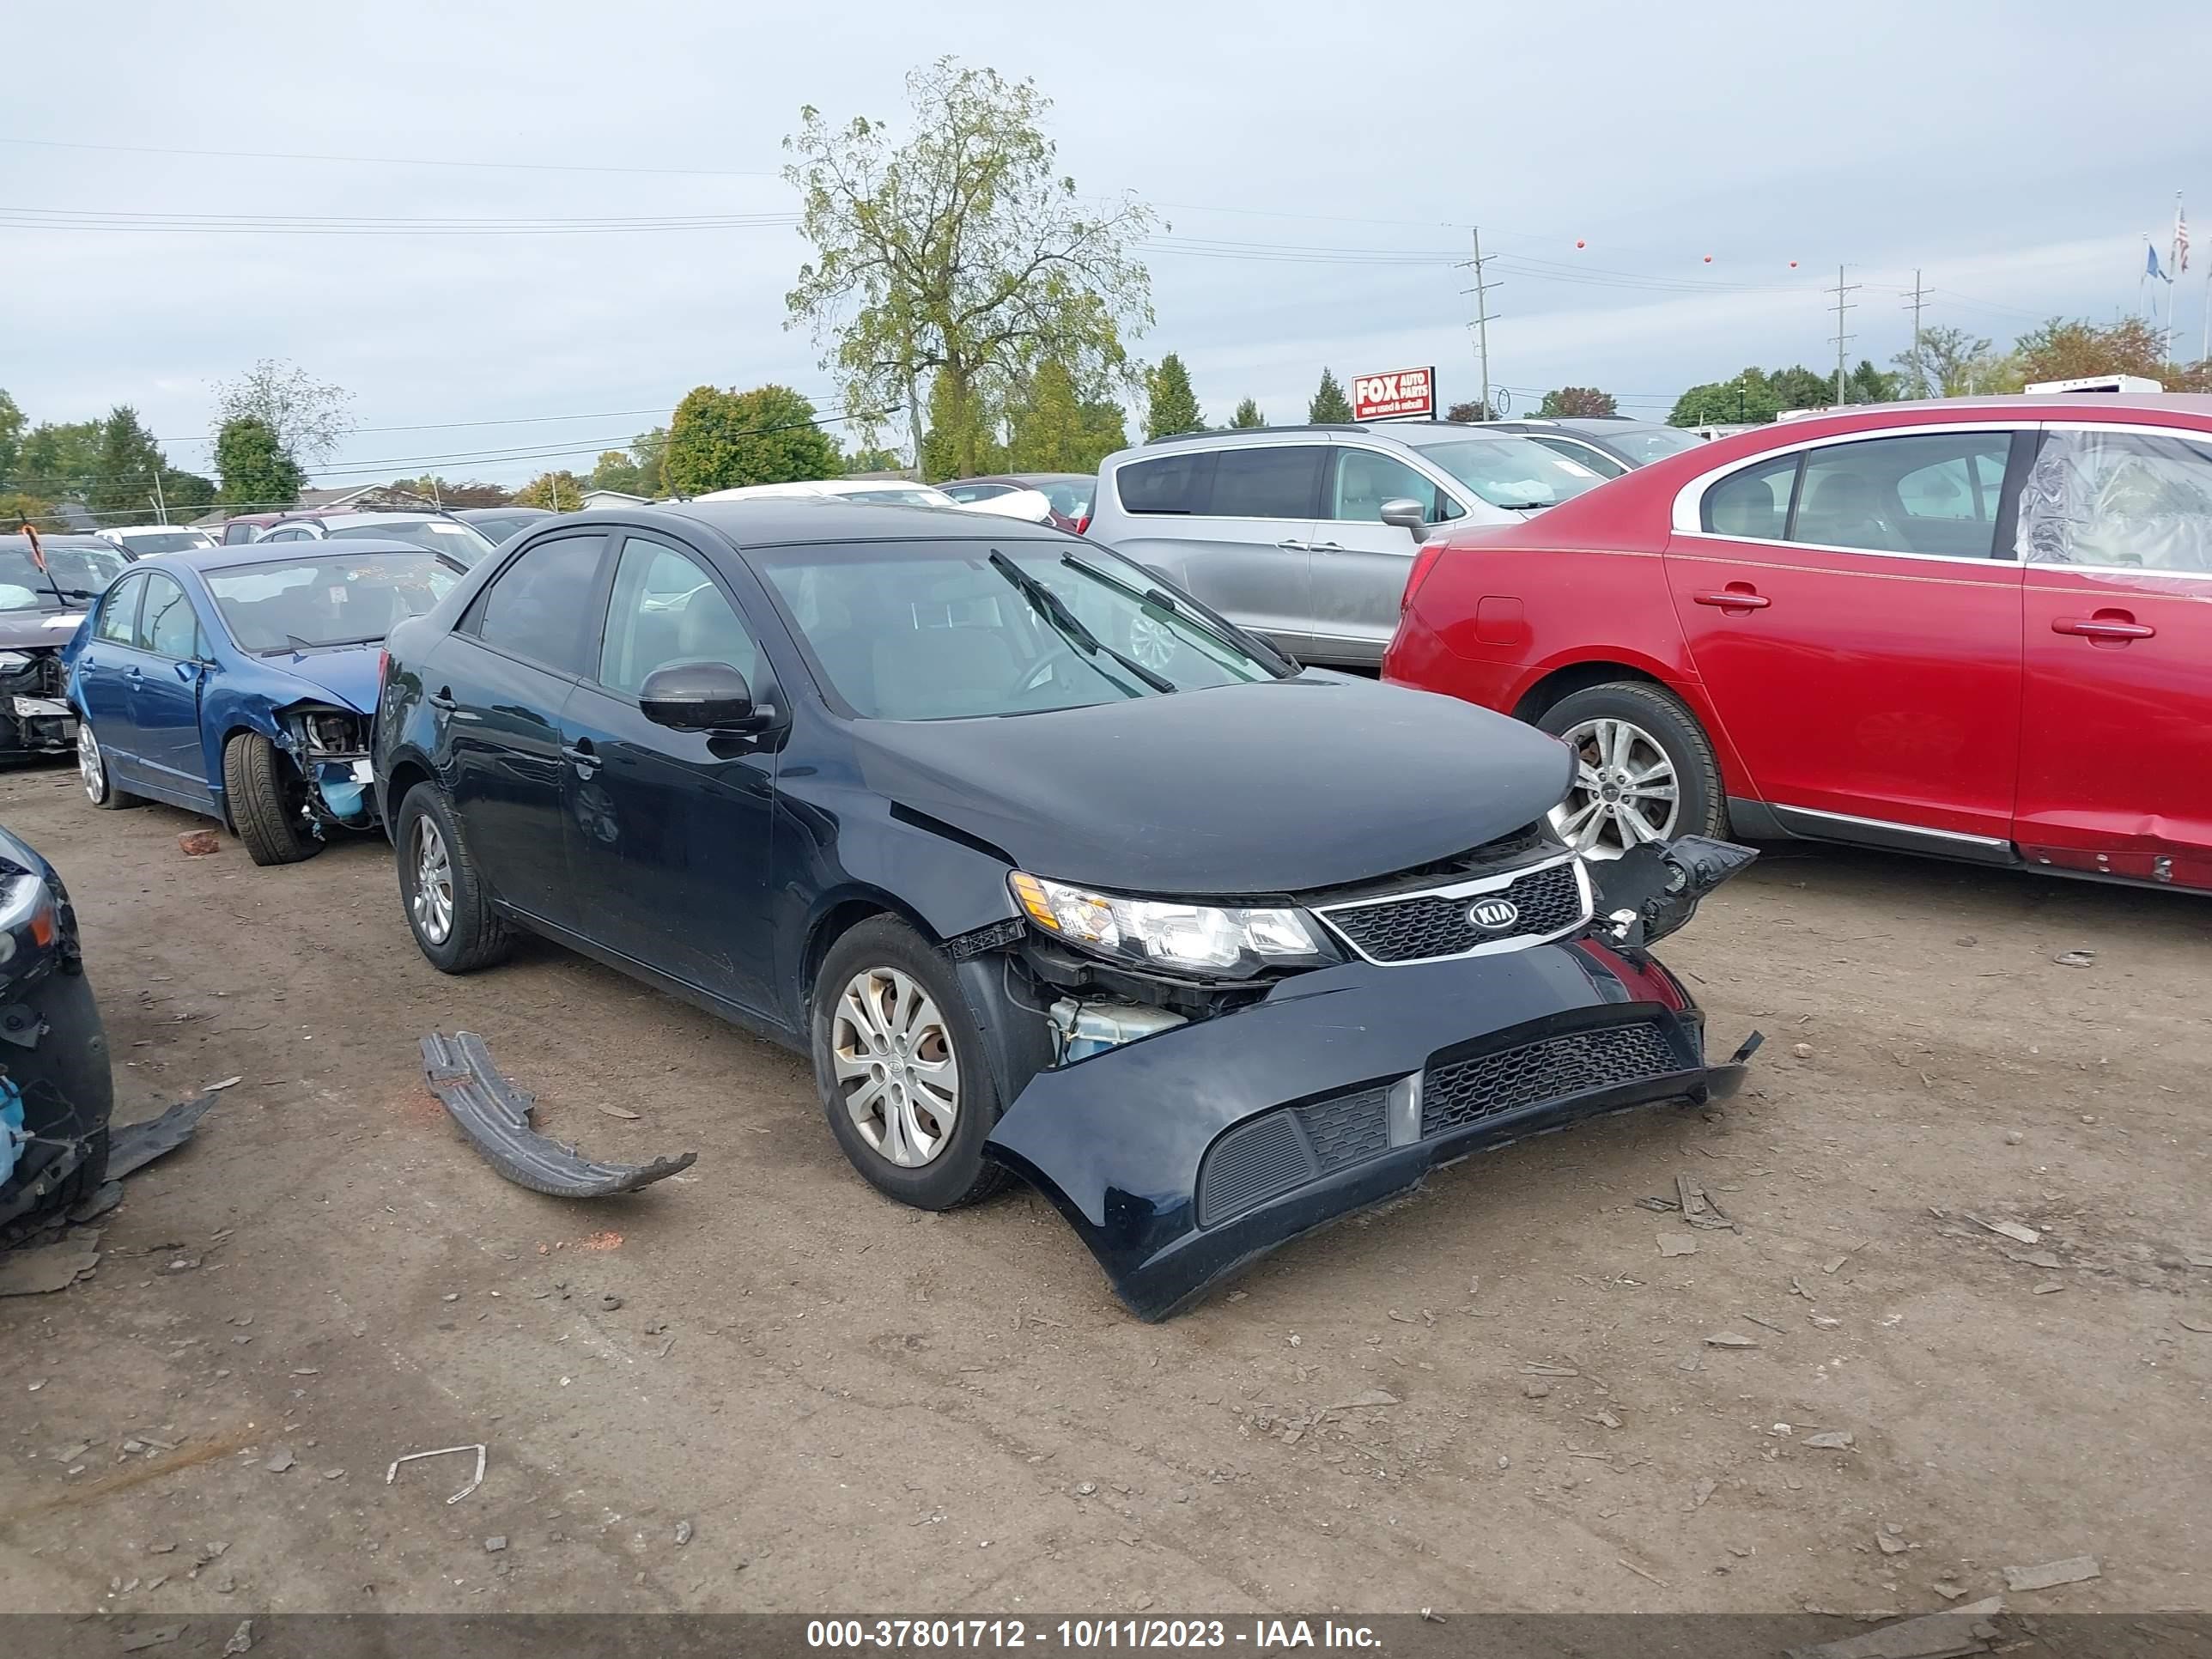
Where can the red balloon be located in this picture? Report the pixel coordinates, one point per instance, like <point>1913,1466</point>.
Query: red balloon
<point>1793,265</point>
<point>1579,242</point>
<point>1709,258</point>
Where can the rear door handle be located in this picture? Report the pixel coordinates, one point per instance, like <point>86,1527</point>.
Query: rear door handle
<point>1328,547</point>
<point>1745,598</point>
<point>581,755</point>
<point>2121,628</point>
<point>443,698</point>
<point>1294,546</point>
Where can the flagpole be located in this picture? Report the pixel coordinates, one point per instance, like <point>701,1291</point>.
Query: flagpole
<point>2172,271</point>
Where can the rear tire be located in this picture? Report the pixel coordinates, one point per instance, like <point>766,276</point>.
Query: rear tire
<point>268,801</point>
<point>864,985</point>
<point>448,905</point>
<point>99,783</point>
<point>1624,731</point>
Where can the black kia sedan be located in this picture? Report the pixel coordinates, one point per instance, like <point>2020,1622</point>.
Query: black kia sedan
<point>1051,869</point>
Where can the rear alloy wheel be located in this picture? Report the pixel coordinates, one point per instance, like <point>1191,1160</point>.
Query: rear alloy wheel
<point>1644,771</point>
<point>448,908</point>
<point>92,766</point>
<point>899,1060</point>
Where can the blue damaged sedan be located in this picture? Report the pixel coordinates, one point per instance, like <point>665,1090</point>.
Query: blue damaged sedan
<point>242,686</point>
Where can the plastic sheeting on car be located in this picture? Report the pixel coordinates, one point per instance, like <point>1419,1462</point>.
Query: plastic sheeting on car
<point>2133,499</point>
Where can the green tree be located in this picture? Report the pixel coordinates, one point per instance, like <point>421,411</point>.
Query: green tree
<point>58,461</point>
<point>1472,410</point>
<point>2064,351</point>
<point>1054,428</point>
<point>1247,415</point>
<point>185,494</point>
<point>310,417</point>
<point>11,433</point>
<point>1577,402</point>
<point>18,508</point>
<point>1867,385</point>
<point>617,469</point>
<point>129,461</point>
<point>648,450</point>
<point>872,458</point>
<point>1948,362</point>
<point>557,492</point>
<point>255,468</point>
<point>963,249</point>
<point>961,438</point>
<point>723,440</point>
<point>1329,405</point>
<point>1749,399</point>
<point>1800,387</point>
<point>1172,406</point>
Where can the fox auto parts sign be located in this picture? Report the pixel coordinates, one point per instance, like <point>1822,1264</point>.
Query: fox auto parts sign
<point>1398,395</point>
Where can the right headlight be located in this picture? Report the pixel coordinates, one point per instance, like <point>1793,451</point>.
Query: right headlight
<point>11,660</point>
<point>1199,938</point>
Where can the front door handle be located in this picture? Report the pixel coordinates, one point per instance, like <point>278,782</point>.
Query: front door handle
<point>1736,596</point>
<point>2116,626</point>
<point>581,755</point>
<point>443,698</point>
<point>1328,547</point>
<point>1294,546</point>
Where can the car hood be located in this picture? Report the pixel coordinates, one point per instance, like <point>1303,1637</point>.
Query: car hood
<point>347,675</point>
<point>1279,786</point>
<point>23,630</point>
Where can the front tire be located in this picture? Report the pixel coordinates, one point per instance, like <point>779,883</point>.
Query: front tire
<point>268,801</point>
<point>448,905</point>
<point>1645,769</point>
<point>99,783</point>
<point>901,1069</point>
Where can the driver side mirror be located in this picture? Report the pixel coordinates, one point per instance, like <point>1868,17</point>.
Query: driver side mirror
<point>702,696</point>
<point>1408,515</point>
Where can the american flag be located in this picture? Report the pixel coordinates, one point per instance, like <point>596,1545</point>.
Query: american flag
<point>2180,241</point>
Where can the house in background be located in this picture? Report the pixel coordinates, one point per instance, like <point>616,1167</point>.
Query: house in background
<point>605,501</point>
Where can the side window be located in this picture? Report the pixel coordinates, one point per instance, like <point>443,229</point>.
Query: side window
<point>1274,481</point>
<point>2118,498</point>
<point>1596,459</point>
<point>1753,504</point>
<point>1173,483</point>
<point>1364,480</point>
<point>1911,494</point>
<point>166,624</point>
<point>118,611</point>
<point>666,610</point>
<point>535,608</point>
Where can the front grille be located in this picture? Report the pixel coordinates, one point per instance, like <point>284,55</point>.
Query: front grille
<point>1278,1150</point>
<point>1466,1091</point>
<point>1422,926</point>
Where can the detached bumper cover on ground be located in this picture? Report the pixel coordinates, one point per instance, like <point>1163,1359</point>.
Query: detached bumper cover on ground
<point>1182,1157</point>
<point>495,1115</point>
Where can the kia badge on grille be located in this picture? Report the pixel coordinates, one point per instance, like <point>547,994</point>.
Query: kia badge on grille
<point>1493,916</point>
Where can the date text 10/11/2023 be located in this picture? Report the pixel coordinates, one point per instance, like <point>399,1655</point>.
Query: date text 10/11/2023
<point>1260,1636</point>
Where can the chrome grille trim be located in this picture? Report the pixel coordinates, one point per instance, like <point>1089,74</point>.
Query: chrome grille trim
<point>1470,891</point>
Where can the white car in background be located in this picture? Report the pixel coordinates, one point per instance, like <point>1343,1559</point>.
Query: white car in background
<point>141,541</point>
<point>1031,506</point>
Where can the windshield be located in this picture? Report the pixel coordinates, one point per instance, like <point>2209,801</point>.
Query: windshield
<point>446,536</point>
<point>80,572</point>
<point>1509,472</point>
<point>1646,444</point>
<point>931,631</point>
<point>1070,499</point>
<point>496,531</point>
<point>298,604</point>
<point>143,543</point>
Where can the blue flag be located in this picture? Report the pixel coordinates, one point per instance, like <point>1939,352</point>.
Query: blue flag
<point>2150,267</point>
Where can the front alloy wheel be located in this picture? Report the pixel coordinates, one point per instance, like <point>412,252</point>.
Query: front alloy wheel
<point>91,766</point>
<point>895,1068</point>
<point>432,900</point>
<point>1625,793</point>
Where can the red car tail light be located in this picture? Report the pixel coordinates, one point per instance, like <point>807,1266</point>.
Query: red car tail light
<point>1083,525</point>
<point>1424,561</point>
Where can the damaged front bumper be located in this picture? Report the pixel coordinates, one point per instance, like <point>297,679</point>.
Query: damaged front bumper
<point>1183,1154</point>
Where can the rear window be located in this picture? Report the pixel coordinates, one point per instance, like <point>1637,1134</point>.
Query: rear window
<point>1172,483</point>
<point>1267,481</point>
<point>455,539</point>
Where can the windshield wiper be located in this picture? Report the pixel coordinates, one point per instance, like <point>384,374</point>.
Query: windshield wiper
<point>1223,629</point>
<point>1047,603</point>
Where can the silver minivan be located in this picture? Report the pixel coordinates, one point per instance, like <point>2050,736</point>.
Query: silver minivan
<point>1306,534</point>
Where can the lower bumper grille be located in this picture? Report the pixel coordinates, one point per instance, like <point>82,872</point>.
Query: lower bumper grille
<point>1269,1155</point>
<point>1466,1091</point>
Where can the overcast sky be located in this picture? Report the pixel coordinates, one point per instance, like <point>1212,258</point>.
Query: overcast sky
<point>2015,154</point>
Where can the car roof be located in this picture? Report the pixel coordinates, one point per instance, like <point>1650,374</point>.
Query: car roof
<point>226,555</point>
<point>152,530</point>
<point>374,515</point>
<point>776,520</point>
<point>513,510</point>
<point>1026,478</point>
<point>21,543</point>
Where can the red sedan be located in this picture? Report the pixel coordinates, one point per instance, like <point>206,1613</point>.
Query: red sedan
<point>1980,628</point>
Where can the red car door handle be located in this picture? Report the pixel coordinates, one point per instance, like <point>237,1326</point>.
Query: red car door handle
<point>2103,628</point>
<point>1735,598</point>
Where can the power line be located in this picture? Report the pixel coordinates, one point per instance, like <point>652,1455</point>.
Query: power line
<point>392,161</point>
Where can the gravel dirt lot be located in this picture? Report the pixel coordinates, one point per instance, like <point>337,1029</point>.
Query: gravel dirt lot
<point>843,1404</point>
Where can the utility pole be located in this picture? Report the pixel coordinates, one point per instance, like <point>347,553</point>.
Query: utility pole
<point>1919,368</point>
<point>1482,314</point>
<point>1843,340</point>
<point>160,506</point>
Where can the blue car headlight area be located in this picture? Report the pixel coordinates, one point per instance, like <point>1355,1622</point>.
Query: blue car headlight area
<point>1168,934</point>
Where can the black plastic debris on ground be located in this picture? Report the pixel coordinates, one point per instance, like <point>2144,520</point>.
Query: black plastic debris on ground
<point>495,1116</point>
<point>134,1145</point>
